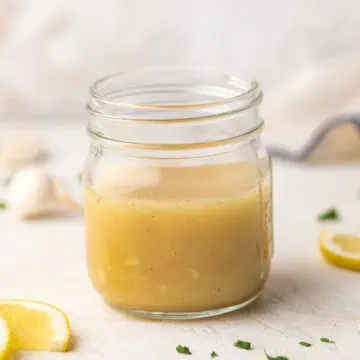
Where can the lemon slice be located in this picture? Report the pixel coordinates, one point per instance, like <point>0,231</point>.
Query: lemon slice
<point>35,326</point>
<point>340,249</point>
<point>4,339</point>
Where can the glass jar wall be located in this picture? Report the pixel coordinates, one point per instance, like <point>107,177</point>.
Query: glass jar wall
<point>177,193</point>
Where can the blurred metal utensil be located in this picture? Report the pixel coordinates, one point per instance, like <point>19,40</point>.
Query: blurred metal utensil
<point>316,138</point>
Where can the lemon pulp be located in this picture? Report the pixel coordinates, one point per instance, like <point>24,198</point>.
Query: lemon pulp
<point>340,249</point>
<point>35,326</point>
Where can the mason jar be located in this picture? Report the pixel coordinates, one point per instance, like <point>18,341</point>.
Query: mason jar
<point>177,193</point>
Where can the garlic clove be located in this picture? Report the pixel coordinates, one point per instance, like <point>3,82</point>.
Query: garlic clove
<point>62,194</point>
<point>20,149</point>
<point>31,193</point>
<point>34,193</point>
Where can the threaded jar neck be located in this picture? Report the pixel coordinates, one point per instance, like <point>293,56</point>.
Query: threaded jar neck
<point>173,106</point>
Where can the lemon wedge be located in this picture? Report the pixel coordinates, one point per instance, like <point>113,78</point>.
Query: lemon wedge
<point>4,339</point>
<point>35,326</point>
<point>340,249</point>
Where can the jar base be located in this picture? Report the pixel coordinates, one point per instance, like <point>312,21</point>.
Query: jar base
<point>154,315</point>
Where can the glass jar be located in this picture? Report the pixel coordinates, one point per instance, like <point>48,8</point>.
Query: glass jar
<point>177,193</point>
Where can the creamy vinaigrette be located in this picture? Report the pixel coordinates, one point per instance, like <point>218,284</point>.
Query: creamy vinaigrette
<point>179,239</point>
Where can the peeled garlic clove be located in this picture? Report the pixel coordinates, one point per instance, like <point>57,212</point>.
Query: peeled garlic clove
<point>34,193</point>
<point>31,193</point>
<point>62,194</point>
<point>20,149</point>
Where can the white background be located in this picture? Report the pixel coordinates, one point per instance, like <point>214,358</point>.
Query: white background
<point>51,50</point>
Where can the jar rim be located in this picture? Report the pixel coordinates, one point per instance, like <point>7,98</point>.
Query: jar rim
<point>245,88</point>
<point>173,105</point>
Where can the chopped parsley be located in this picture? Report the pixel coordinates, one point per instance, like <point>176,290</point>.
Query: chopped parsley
<point>183,350</point>
<point>3,205</point>
<point>242,344</point>
<point>80,177</point>
<point>326,340</point>
<point>329,215</point>
<point>304,343</point>
<point>214,354</point>
<point>275,357</point>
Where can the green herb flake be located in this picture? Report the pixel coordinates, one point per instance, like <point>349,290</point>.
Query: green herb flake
<point>242,344</point>
<point>329,215</point>
<point>183,350</point>
<point>214,354</point>
<point>2,205</point>
<point>326,340</point>
<point>304,343</point>
<point>275,357</point>
<point>80,177</point>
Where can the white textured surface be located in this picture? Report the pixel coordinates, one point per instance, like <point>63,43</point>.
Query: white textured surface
<point>52,50</point>
<point>305,298</point>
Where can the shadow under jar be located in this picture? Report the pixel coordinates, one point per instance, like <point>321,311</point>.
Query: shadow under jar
<point>177,193</point>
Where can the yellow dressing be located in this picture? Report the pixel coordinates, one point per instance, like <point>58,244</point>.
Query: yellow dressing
<point>179,239</point>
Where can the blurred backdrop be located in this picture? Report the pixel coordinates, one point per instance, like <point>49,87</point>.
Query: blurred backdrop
<point>51,50</point>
